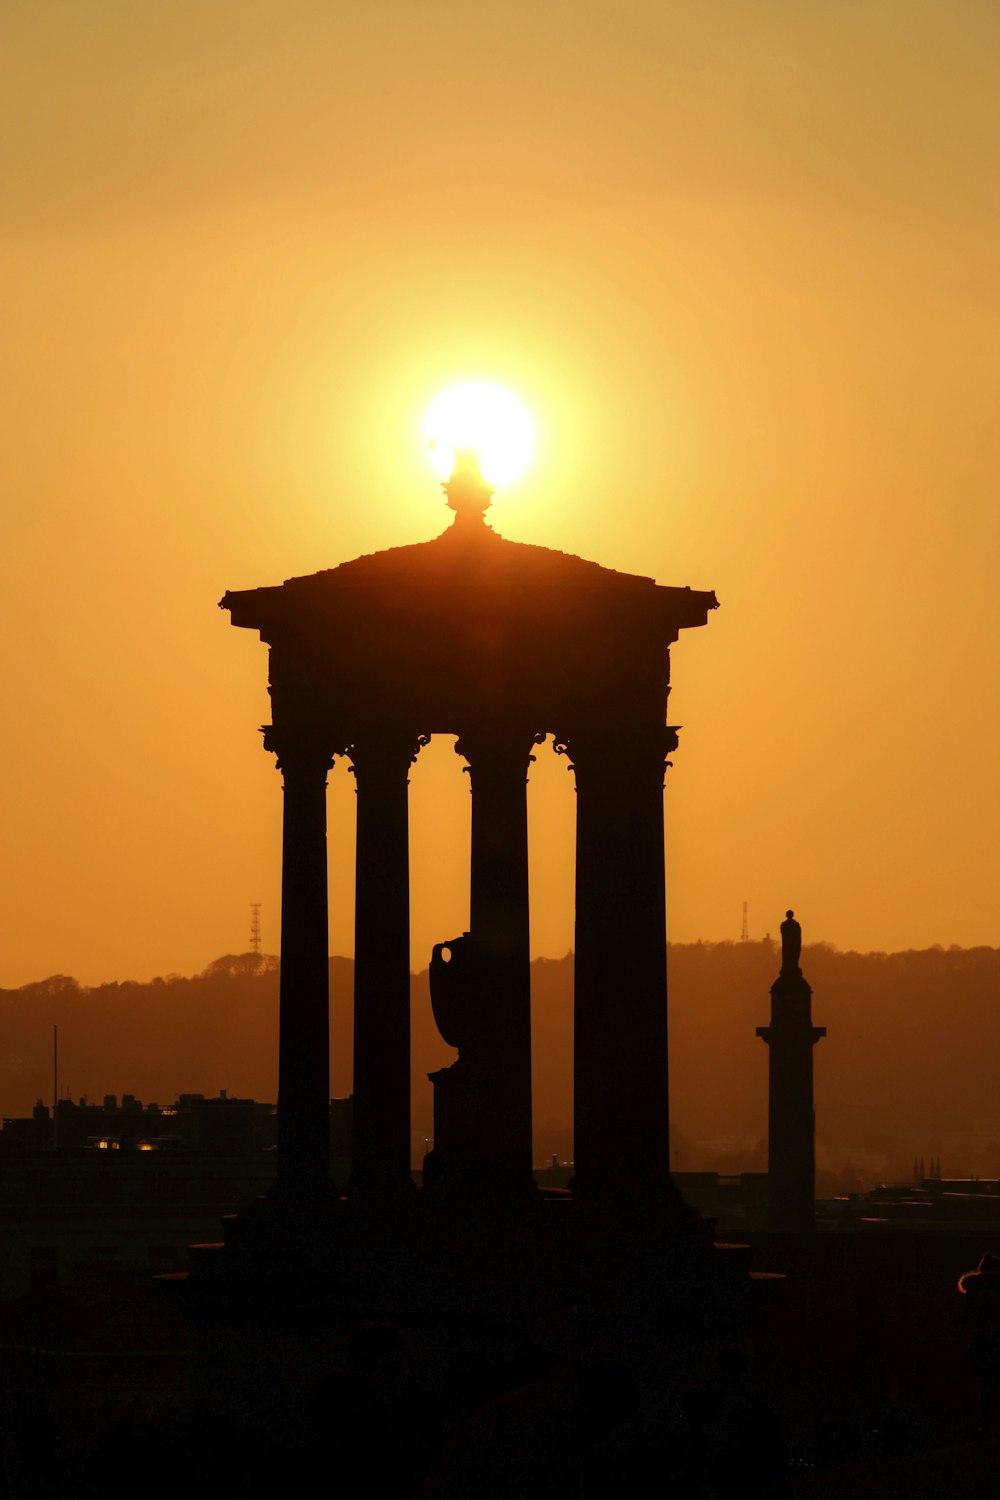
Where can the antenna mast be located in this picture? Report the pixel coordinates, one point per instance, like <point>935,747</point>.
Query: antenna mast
<point>745,932</point>
<point>255,928</point>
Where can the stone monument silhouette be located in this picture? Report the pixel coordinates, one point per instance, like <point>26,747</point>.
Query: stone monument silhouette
<point>791,1119</point>
<point>500,644</point>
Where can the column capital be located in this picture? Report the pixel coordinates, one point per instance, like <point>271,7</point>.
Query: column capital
<point>385,752</point>
<point>619,749</point>
<point>304,749</point>
<point>492,744</point>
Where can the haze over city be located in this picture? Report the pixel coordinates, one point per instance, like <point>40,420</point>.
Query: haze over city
<point>740,262</point>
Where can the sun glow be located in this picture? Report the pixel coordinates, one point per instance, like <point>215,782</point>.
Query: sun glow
<point>484,419</point>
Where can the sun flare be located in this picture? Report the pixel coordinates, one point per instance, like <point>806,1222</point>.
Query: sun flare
<point>484,419</point>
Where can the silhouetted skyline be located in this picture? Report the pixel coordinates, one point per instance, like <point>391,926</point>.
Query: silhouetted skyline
<point>891,1083</point>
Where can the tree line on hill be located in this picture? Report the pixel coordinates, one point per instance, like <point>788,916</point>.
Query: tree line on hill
<point>907,1069</point>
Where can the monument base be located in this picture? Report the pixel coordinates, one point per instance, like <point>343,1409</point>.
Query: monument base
<point>270,1308</point>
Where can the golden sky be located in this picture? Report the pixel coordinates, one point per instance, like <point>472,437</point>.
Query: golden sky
<point>740,259</point>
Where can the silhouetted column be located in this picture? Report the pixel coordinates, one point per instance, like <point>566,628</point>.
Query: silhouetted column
<point>304,1022</point>
<point>791,1119</point>
<point>498,759</point>
<point>381,1122</point>
<point>621,1117</point>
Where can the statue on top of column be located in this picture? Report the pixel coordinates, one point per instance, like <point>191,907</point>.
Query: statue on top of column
<point>791,944</point>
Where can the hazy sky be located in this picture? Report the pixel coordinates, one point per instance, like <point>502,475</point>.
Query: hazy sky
<point>741,260</point>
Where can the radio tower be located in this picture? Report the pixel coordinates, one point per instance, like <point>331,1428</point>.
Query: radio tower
<point>745,932</point>
<point>255,928</point>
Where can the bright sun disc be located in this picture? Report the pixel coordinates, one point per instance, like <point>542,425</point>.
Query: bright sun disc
<point>485,418</point>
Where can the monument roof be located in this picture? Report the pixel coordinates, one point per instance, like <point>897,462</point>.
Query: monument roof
<point>468,558</point>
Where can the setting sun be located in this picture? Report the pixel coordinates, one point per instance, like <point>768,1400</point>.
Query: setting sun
<point>484,419</point>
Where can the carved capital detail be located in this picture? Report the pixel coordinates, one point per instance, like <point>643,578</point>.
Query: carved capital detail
<point>384,754</point>
<point>494,747</point>
<point>302,752</point>
<point>618,751</point>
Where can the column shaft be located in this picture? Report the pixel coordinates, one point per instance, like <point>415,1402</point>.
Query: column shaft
<point>381,1127</point>
<point>791,1120</point>
<point>620,1046</point>
<point>304,1023</point>
<point>500,927</point>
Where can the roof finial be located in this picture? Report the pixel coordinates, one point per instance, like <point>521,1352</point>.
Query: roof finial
<point>468,493</point>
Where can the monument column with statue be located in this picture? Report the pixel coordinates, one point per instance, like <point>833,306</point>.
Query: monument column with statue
<point>791,1118</point>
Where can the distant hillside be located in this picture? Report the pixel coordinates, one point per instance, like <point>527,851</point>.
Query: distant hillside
<point>908,1067</point>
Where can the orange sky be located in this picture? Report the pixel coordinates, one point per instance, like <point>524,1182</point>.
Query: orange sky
<point>742,262</point>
